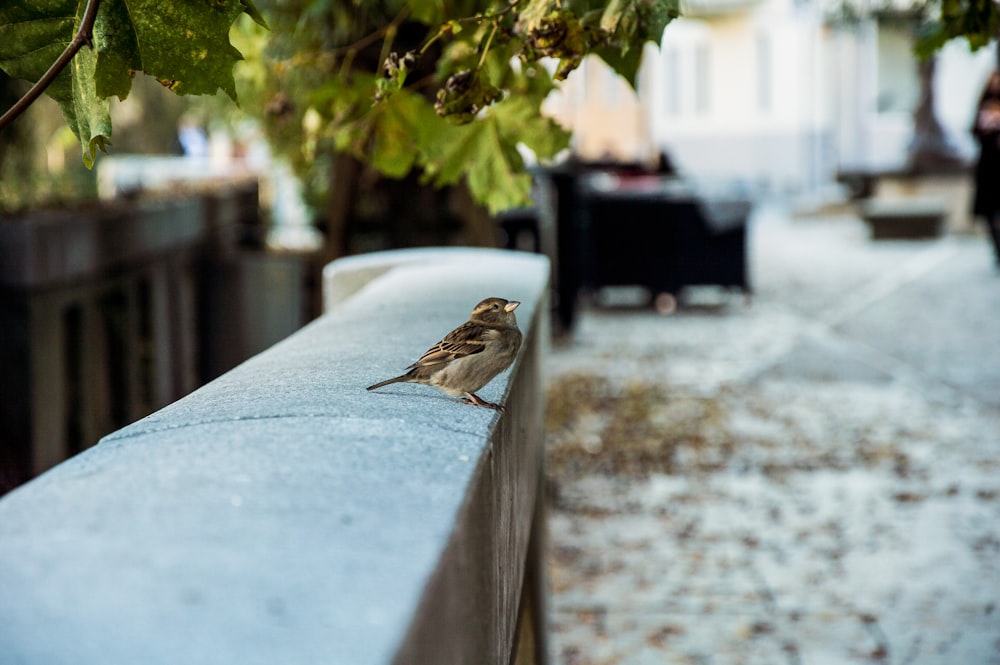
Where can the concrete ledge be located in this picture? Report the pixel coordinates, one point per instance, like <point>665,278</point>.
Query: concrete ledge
<point>284,514</point>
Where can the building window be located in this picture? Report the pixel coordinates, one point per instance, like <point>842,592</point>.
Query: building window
<point>702,79</point>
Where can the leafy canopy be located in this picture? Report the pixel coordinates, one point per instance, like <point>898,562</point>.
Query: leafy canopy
<point>976,20</point>
<point>448,88</point>
<point>451,88</point>
<point>936,22</point>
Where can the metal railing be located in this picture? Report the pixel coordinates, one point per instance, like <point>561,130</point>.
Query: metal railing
<point>111,311</point>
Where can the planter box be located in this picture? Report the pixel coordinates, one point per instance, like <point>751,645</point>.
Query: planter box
<point>905,218</point>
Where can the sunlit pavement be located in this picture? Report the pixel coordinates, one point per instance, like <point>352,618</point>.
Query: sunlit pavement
<point>811,478</point>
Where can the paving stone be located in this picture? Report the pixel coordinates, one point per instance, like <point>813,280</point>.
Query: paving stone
<point>830,488</point>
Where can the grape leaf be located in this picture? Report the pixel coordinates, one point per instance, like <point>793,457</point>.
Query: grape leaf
<point>616,19</point>
<point>624,63</point>
<point>492,167</point>
<point>32,36</point>
<point>485,153</point>
<point>533,11</point>
<point>88,116</point>
<point>630,24</point>
<point>498,176</point>
<point>976,20</point>
<point>519,120</point>
<point>185,45</point>
<point>399,124</point>
<point>655,16</point>
<point>428,12</point>
<point>118,47</point>
<point>404,131</point>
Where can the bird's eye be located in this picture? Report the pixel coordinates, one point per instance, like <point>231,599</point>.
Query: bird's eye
<point>496,306</point>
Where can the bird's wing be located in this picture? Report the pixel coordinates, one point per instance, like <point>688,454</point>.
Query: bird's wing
<point>466,340</point>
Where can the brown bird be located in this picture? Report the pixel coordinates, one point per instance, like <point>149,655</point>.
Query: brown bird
<point>470,355</point>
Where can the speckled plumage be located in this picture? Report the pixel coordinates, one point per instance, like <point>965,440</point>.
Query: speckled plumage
<point>471,355</point>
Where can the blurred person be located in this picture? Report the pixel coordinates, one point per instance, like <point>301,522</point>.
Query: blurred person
<point>986,129</point>
<point>665,165</point>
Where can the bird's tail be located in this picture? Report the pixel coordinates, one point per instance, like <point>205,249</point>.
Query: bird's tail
<point>395,379</point>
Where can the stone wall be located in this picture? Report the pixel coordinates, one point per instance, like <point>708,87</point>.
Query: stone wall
<point>282,513</point>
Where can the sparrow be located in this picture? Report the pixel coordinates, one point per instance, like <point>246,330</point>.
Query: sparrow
<point>470,355</point>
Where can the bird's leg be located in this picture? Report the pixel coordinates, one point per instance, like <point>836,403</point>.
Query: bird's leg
<point>472,398</point>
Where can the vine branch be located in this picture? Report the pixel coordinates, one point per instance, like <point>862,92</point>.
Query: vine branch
<point>84,37</point>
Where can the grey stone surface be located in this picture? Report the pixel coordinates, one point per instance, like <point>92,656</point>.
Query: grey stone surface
<point>820,482</point>
<point>282,513</point>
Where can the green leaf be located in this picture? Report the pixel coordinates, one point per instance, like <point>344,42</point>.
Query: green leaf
<point>626,63</point>
<point>976,20</point>
<point>445,160</point>
<point>183,44</point>
<point>519,120</point>
<point>630,24</point>
<point>31,39</point>
<point>655,16</point>
<point>428,12</point>
<point>635,22</point>
<point>497,177</point>
<point>87,115</point>
<point>465,94</point>
<point>614,15</point>
<point>118,47</point>
<point>32,36</point>
<point>397,131</point>
<point>531,79</point>
<point>930,38</point>
<point>251,10</point>
<point>493,168</point>
<point>532,13</point>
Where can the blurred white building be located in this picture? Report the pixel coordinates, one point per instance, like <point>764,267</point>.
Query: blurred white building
<point>766,92</point>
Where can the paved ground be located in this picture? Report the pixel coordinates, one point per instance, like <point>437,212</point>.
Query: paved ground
<point>813,479</point>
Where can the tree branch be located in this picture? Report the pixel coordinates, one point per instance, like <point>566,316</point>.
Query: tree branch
<point>83,37</point>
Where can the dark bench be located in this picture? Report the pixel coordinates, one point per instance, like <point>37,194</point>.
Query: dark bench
<point>664,235</point>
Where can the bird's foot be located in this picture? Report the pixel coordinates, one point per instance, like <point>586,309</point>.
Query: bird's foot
<point>476,400</point>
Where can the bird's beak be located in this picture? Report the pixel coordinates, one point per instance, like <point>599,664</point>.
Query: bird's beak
<point>511,306</point>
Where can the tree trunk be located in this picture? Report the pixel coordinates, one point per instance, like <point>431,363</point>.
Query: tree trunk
<point>343,195</point>
<point>336,224</point>
<point>478,225</point>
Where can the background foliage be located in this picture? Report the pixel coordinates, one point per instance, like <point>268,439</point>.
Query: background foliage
<point>448,90</point>
<point>433,92</point>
